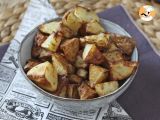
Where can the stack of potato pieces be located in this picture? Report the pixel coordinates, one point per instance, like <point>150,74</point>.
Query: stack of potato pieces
<point>76,58</point>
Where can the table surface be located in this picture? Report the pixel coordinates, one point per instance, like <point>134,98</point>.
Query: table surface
<point>142,99</point>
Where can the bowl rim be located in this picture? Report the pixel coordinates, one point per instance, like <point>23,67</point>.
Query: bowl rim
<point>128,80</point>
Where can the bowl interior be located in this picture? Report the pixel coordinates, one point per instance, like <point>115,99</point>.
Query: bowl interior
<point>26,46</point>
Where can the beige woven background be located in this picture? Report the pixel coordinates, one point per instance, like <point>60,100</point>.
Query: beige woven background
<point>12,13</point>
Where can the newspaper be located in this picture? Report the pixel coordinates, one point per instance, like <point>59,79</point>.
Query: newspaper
<point>19,100</point>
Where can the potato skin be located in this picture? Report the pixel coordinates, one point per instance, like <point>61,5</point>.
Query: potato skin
<point>30,64</point>
<point>73,78</point>
<point>86,92</point>
<point>70,48</point>
<point>97,75</point>
<point>106,88</point>
<point>44,75</point>
<point>122,69</point>
<point>72,91</point>
<point>94,56</point>
<point>60,64</point>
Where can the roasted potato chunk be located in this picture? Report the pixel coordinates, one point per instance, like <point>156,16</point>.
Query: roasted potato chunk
<point>101,40</point>
<point>71,69</point>
<point>113,56</point>
<point>70,48</point>
<point>45,54</point>
<point>97,75</point>
<point>50,27</point>
<point>71,21</point>
<point>30,64</point>
<point>91,54</point>
<point>75,79</point>
<point>86,92</point>
<point>60,64</point>
<point>94,27</point>
<point>80,62</point>
<point>52,42</point>
<point>72,91</point>
<point>122,69</point>
<point>85,15</point>
<point>62,86</point>
<point>65,31</point>
<point>106,88</point>
<point>44,75</point>
<point>124,43</point>
<point>39,39</point>
<point>36,51</point>
<point>82,73</point>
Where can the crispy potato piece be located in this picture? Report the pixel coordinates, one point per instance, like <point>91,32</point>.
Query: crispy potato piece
<point>30,64</point>
<point>75,79</point>
<point>91,54</point>
<point>94,27</point>
<point>80,62</point>
<point>86,92</point>
<point>124,43</point>
<point>52,42</point>
<point>122,69</point>
<point>39,39</point>
<point>97,75</point>
<point>71,21</point>
<point>113,56</point>
<point>112,47</point>
<point>71,69</point>
<point>101,40</point>
<point>50,27</point>
<point>72,91</point>
<point>36,51</point>
<point>45,54</point>
<point>44,75</point>
<point>85,15</point>
<point>82,73</point>
<point>106,88</point>
<point>65,31</point>
<point>60,64</point>
<point>62,86</point>
<point>70,48</point>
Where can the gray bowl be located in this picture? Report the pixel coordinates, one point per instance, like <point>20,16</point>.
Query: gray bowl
<point>76,104</point>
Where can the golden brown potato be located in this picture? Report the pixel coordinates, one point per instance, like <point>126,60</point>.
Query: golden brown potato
<point>80,62</point>
<point>39,39</point>
<point>113,56</point>
<point>36,51</point>
<point>124,43</point>
<point>50,27</point>
<point>75,79</point>
<point>30,64</point>
<point>112,47</point>
<point>82,73</point>
<point>52,42</point>
<point>101,40</point>
<point>71,69</point>
<point>72,91</point>
<point>91,54</point>
<point>45,54</point>
<point>70,48</point>
<point>97,75</point>
<point>45,76</point>
<point>85,15</point>
<point>65,31</point>
<point>106,88</point>
<point>86,92</point>
<point>60,64</point>
<point>94,27</point>
<point>71,21</point>
<point>122,69</point>
<point>62,86</point>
